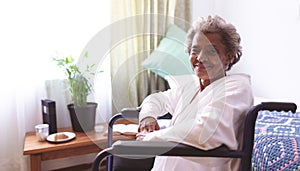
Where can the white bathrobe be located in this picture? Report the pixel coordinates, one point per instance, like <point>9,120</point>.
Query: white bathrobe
<point>205,120</point>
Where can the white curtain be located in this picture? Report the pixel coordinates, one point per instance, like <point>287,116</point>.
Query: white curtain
<point>32,32</point>
<point>143,24</point>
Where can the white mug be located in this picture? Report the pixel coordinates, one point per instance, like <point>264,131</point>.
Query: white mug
<point>42,131</point>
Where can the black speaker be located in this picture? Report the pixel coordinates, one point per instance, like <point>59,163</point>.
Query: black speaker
<point>49,115</point>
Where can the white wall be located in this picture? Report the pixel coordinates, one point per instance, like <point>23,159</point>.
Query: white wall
<point>270,32</point>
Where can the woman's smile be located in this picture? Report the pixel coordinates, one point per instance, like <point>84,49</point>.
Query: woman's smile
<point>199,66</point>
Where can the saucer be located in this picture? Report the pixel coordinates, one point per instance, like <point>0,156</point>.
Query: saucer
<point>61,137</point>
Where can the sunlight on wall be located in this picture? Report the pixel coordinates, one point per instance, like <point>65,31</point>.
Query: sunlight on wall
<point>32,32</point>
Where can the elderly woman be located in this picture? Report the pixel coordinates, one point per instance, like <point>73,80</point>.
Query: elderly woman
<point>208,112</point>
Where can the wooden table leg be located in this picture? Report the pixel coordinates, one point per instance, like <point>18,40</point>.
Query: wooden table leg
<point>35,162</point>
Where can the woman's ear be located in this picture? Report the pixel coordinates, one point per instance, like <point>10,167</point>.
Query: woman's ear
<point>229,57</point>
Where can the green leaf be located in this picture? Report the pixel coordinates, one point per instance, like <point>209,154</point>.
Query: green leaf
<point>80,85</point>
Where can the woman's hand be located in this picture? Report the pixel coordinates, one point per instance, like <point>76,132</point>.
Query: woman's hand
<point>148,124</point>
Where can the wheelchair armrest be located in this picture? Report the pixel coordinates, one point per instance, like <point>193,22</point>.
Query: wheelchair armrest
<point>143,149</point>
<point>166,148</point>
<point>130,112</point>
<point>126,113</point>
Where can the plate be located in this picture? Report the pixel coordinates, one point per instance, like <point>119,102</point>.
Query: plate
<point>61,137</point>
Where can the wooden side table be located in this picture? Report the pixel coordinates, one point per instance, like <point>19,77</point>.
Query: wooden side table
<point>84,143</point>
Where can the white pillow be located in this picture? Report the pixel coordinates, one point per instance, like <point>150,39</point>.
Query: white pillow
<point>179,80</point>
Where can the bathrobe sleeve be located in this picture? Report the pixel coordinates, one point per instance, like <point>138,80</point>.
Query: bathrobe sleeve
<point>160,103</point>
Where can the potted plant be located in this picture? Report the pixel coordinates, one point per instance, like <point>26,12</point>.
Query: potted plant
<point>82,112</point>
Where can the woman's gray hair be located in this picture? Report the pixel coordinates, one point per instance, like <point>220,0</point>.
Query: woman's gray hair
<point>230,38</point>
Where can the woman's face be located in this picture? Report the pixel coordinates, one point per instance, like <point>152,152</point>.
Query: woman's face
<point>208,56</point>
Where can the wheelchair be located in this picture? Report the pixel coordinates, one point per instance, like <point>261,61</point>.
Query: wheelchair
<point>139,155</point>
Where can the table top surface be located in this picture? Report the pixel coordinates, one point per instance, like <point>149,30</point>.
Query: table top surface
<point>33,146</point>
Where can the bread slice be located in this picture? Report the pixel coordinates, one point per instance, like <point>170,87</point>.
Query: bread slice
<point>60,136</point>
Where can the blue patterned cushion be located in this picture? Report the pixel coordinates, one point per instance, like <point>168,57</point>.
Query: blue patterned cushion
<point>277,141</point>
